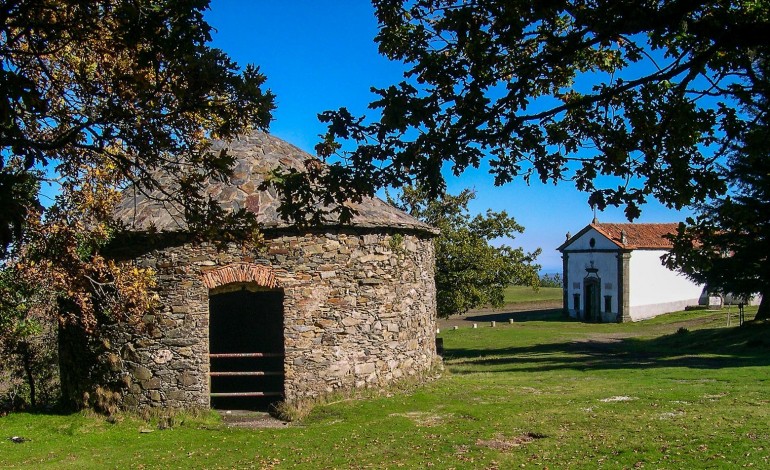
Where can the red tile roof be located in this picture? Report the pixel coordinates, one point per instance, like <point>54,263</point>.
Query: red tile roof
<point>638,236</point>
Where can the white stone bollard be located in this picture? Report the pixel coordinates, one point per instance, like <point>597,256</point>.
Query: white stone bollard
<point>510,320</point>
<point>492,324</point>
<point>454,327</point>
<point>475,325</point>
<point>438,330</point>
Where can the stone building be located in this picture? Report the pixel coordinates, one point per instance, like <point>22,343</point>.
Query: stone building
<point>314,311</point>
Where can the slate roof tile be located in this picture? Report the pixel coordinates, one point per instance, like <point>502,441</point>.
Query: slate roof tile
<point>256,154</point>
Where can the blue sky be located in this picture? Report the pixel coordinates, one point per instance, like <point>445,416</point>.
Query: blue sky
<point>320,55</point>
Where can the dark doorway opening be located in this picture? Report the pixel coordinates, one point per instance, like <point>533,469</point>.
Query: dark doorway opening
<point>246,348</point>
<point>592,291</point>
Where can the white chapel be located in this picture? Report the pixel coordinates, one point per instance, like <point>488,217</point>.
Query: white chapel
<point>613,273</point>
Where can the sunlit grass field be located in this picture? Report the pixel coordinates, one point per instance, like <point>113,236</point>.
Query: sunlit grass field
<point>679,391</point>
<point>521,294</point>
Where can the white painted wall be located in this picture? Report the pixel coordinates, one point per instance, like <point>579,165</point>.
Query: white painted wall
<point>656,289</point>
<point>605,262</point>
<point>584,242</point>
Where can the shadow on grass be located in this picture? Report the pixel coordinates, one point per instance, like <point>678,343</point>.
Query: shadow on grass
<point>33,412</point>
<point>552,314</point>
<point>716,348</point>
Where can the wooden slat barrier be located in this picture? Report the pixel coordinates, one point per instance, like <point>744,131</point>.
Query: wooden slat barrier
<point>247,394</point>
<point>244,374</point>
<point>223,355</point>
<point>256,373</point>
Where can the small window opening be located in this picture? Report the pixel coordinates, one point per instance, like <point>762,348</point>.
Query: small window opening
<point>607,303</point>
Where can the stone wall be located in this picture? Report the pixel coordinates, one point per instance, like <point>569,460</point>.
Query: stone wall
<point>359,311</point>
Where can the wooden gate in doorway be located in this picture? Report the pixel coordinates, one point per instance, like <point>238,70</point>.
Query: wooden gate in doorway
<point>246,348</point>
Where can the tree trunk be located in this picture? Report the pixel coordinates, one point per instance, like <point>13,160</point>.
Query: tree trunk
<point>763,312</point>
<point>26,359</point>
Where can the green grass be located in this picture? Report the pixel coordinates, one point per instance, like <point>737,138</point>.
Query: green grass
<point>680,391</point>
<point>521,294</point>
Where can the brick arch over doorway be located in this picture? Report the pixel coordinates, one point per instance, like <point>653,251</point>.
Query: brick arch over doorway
<point>260,274</point>
<point>246,336</point>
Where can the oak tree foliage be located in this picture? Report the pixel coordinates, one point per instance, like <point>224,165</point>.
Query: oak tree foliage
<point>129,84</point>
<point>97,96</point>
<point>727,245</point>
<point>28,350</point>
<point>470,271</point>
<point>627,99</point>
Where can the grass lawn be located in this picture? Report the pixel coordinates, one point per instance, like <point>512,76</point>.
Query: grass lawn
<point>682,391</point>
<point>519,294</point>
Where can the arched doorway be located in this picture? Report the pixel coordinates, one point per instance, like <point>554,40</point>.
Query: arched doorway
<point>246,347</point>
<point>246,337</point>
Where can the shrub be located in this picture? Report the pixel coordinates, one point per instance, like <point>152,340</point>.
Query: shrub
<point>551,280</point>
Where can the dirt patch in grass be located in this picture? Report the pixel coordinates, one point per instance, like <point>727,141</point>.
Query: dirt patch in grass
<point>251,419</point>
<point>423,419</point>
<point>617,399</point>
<point>506,444</point>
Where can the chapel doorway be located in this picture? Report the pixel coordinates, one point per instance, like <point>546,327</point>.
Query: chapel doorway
<point>592,296</point>
<point>246,347</point>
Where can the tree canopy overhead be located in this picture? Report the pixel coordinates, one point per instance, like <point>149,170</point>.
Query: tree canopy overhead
<point>629,99</point>
<point>727,246</point>
<point>95,96</point>
<point>131,86</point>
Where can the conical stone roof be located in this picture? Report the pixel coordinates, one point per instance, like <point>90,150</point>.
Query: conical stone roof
<point>256,155</point>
